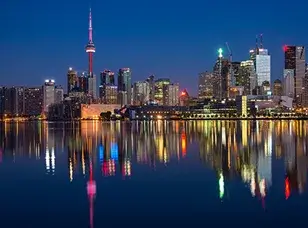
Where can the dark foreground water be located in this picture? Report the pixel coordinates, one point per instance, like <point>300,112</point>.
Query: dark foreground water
<point>154,174</point>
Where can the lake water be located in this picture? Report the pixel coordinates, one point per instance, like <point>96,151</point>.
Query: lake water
<point>153,174</point>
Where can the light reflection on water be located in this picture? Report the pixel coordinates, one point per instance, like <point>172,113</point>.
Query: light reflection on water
<point>249,154</point>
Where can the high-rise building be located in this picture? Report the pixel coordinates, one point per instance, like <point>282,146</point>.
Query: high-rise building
<point>111,94</point>
<point>49,94</point>
<point>263,66</point>
<point>124,86</point>
<point>206,85</point>
<point>106,78</point>
<point>159,89</point>
<point>277,88</point>
<point>295,60</point>
<point>2,98</point>
<point>305,92</point>
<point>59,94</point>
<point>247,77</point>
<point>92,87</point>
<point>72,80</point>
<point>151,82</point>
<point>288,83</point>
<point>141,93</point>
<point>12,101</point>
<point>34,101</point>
<point>83,83</point>
<point>171,94</point>
<point>262,63</point>
<point>222,72</point>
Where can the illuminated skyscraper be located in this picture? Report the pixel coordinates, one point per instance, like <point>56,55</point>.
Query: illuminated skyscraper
<point>124,86</point>
<point>222,72</point>
<point>171,94</point>
<point>151,82</point>
<point>72,80</point>
<point>159,91</point>
<point>295,60</point>
<point>205,87</point>
<point>107,79</point>
<point>34,100</point>
<point>305,86</point>
<point>59,93</point>
<point>141,91</point>
<point>247,77</point>
<point>49,94</point>
<point>262,62</point>
<point>263,66</point>
<point>288,82</point>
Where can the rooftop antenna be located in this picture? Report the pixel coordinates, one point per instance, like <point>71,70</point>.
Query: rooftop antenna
<point>261,40</point>
<point>257,46</point>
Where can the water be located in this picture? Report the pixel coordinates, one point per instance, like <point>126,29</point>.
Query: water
<point>153,174</point>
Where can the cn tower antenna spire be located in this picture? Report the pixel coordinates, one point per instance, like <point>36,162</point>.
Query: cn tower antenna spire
<point>90,25</point>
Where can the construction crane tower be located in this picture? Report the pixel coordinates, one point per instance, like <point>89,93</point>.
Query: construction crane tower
<point>231,81</point>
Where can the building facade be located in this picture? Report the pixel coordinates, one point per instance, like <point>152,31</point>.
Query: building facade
<point>141,93</point>
<point>295,60</point>
<point>263,66</point>
<point>205,85</point>
<point>171,94</point>
<point>159,89</point>
<point>124,86</point>
<point>49,94</point>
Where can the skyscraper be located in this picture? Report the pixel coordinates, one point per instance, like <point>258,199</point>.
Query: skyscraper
<point>72,80</point>
<point>49,94</point>
<point>171,94</point>
<point>263,66</point>
<point>262,62</point>
<point>305,86</point>
<point>141,92</point>
<point>205,85</point>
<point>106,78</point>
<point>151,82</point>
<point>288,82</point>
<point>247,77</point>
<point>124,86</point>
<point>159,89</point>
<point>34,97</point>
<point>295,60</point>
<point>59,94</point>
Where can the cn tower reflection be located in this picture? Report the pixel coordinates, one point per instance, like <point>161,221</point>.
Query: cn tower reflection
<point>91,191</point>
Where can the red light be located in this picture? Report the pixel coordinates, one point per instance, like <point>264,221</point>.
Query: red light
<point>287,188</point>
<point>285,48</point>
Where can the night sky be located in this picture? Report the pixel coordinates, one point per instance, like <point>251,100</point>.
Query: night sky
<point>176,39</point>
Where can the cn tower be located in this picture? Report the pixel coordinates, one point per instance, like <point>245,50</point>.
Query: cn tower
<point>90,48</point>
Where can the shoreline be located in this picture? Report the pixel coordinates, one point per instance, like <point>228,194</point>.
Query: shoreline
<point>170,119</point>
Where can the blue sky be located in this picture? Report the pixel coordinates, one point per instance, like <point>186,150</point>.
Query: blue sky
<point>176,39</point>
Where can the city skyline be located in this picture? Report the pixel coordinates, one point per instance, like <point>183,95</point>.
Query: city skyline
<point>160,41</point>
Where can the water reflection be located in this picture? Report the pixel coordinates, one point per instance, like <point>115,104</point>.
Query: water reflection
<point>233,149</point>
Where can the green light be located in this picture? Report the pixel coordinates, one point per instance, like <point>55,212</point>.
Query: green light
<point>220,51</point>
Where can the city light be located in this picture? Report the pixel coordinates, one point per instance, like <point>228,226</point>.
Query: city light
<point>220,51</point>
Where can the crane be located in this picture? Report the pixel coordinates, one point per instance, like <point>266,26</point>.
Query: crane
<point>230,52</point>
<point>231,79</point>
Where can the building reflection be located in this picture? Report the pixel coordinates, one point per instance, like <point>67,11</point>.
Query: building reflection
<point>233,149</point>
